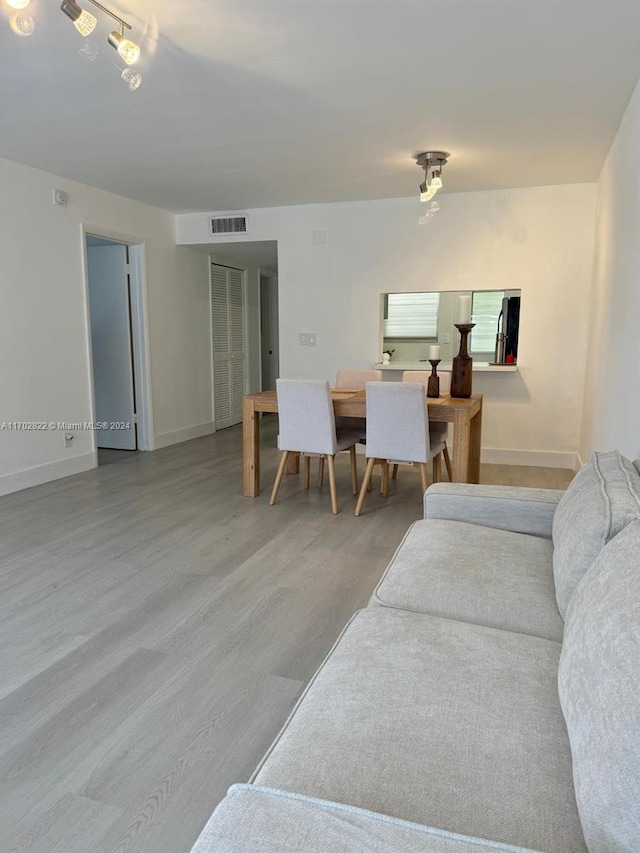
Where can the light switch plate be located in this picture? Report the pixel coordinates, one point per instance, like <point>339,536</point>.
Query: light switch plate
<point>312,338</point>
<point>303,339</point>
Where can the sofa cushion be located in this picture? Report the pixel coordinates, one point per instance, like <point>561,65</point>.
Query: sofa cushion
<point>598,682</point>
<point>442,723</point>
<point>263,820</point>
<point>601,500</point>
<point>475,574</point>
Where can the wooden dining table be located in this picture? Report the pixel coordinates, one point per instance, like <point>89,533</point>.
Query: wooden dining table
<point>464,413</point>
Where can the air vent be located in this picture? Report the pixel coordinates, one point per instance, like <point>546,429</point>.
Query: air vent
<point>229,224</point>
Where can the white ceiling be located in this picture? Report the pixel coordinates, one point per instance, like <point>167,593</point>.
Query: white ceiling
<point>251,103</point>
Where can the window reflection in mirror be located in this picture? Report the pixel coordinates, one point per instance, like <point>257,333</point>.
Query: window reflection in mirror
<point>411,322</point>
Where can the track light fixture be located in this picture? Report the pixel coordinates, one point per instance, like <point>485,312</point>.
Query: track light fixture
<point>432,162</point>
<point>85,22</point>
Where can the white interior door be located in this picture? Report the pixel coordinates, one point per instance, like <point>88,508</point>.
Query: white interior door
<point>228,319</point>
<point>111,346</point>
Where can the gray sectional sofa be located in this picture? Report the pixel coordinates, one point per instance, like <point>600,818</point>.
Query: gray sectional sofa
<point>488,699</point>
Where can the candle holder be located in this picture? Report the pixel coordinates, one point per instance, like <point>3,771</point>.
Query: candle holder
<point>433,386</point>
<point>461,371</point>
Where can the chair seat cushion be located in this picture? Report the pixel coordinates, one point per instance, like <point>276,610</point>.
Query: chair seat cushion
<point>263,820</point>
<point>475,574</point>
<point>442,723</point>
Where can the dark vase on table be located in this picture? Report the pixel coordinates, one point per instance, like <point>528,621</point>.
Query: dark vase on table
<point>462,367</point>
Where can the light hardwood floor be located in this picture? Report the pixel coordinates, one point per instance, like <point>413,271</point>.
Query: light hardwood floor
<point>157,628</point>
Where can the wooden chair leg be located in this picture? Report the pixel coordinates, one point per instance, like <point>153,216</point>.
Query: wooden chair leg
<point>321,472</point>
<point>395,472</point>
<point>436,468</point>
<point>354,470</point>
<point>307,471</point>
<point>332,484</point>
<point>365,485</point>
<point>447,462</point>
<point>384,480</point>
<point>424,476</point>
<point>279,475</point>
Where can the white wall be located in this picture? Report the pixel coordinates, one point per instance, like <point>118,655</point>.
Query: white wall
<point>537,239</point>
<point>44,360</point>
<point>612,382</point>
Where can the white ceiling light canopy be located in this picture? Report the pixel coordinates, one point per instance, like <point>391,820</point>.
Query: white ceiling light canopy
<point>432,162</point>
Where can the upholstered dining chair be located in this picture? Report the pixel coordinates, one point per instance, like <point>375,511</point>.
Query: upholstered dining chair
<point>307,426</point>
<point>356,380</point>
<point>398,429</point>
<point>437,430</point>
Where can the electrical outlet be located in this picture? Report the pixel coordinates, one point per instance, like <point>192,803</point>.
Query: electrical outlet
<point>68,439</point>
<point>446,339</point>
<point>303,339</point>
<point>312,338</point>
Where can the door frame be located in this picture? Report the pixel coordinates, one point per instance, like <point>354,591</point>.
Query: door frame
<point>139,331</point>
<point>213,261</point>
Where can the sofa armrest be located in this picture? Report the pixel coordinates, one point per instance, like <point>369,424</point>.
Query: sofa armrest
<point>514,508</point>
<point>263,820</point>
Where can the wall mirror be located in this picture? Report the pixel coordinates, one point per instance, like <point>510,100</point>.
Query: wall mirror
<point>412,322</point>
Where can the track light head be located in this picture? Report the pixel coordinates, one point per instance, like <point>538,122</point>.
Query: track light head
<point>83,21</point>
<point>128,50</point>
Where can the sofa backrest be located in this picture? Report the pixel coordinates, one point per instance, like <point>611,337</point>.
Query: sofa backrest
<point>598,682</point>
<point>602,499</point>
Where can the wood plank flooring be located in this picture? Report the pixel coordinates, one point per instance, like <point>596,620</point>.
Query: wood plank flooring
<point>157,627</point>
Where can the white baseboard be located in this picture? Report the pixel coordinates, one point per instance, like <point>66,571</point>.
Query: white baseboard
<point>164,439</point>
<point>535,458</point>
<point>39,474</point>
<point>579,462</point>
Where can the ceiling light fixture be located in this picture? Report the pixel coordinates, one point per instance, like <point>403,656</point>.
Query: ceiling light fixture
<point>18,4</point>
<point>83,21</point>
<point>432,162</point>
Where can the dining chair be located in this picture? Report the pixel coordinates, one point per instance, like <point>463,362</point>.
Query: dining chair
<point>356,380</point>
<point>398,429</point>
<point>437,429</point>
<point>307,426</point>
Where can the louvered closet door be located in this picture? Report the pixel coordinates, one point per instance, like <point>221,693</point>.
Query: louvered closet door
<point>228,344</point>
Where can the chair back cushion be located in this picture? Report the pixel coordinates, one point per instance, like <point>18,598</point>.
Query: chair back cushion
<point>602,499</point>
<point>357,379</point>
<point>598,682</point>
<point>305,414</point>
<point>397,422</point>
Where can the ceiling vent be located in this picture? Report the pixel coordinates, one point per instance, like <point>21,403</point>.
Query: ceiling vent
<point>230,224</point>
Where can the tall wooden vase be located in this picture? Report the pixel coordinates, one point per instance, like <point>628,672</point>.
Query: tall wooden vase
<point>462,368</point>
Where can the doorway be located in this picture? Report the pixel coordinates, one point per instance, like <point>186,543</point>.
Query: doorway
<point>269,345</point>
<point>228,344</point>
<point>117,340</point>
